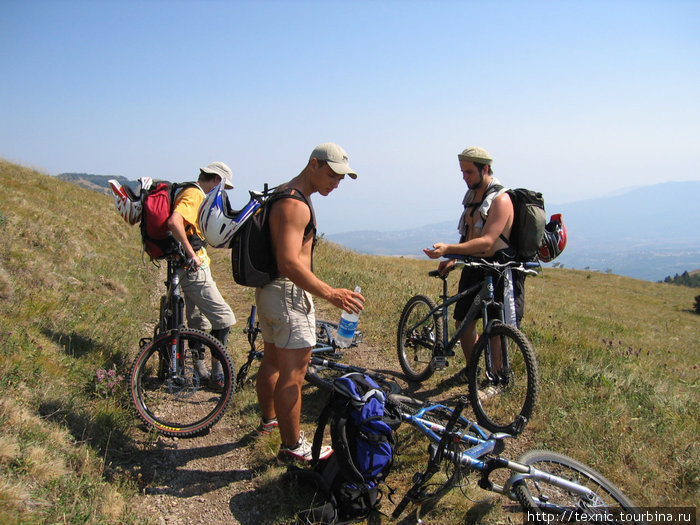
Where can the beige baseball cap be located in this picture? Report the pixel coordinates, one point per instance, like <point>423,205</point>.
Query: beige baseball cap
<point>476,154</point>
<point>222,170</point>
<point>336,158</point>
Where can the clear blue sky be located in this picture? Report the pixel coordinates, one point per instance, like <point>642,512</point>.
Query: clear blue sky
<point>574,98</point>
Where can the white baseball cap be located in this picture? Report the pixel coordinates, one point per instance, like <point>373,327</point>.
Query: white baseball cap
<point>336,158</point>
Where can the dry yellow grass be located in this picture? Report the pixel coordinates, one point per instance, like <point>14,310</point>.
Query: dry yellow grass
<point>618,357</point>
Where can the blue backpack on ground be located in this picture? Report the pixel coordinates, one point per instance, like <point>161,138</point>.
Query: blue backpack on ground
<point>362,434</point>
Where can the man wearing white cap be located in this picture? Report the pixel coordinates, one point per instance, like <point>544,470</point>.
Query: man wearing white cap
<point>285,306</point>
<point>205,308</point>
<point>484,228</point>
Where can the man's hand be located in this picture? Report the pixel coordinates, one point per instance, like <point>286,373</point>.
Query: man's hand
<point>193,263</point>
<point>439,249</point>
<point>351,302</point>
<point>446,266</point>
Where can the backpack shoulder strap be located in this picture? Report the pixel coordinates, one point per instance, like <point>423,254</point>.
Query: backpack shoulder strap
<point>181,186</point>
<point>293,193</point>
<point>320,429</point>
<point>476,205</point>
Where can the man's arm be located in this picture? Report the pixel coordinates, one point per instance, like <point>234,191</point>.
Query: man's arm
<point>176,224</point>
<point>288,219</point>
<point>500,215</point>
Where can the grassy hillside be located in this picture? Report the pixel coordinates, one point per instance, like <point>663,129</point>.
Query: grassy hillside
<point>618,357</point>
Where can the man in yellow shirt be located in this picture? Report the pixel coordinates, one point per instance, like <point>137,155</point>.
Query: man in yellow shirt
<point>205,308</point>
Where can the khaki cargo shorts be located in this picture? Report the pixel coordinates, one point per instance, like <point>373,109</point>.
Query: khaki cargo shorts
<point>286,314</point>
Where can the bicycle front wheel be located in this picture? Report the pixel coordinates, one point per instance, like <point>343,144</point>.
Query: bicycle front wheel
<point>418,336</point>
<point>172,398</point>
<point>503,400</point>
<point>543,495</point>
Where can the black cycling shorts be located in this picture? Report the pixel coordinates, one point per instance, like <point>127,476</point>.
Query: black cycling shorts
<point>472,276</point>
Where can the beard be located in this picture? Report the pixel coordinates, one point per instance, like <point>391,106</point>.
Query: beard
<point>478,184</point>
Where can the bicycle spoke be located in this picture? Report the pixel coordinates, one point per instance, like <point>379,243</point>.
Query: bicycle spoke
<point>503,397</point>
<point>418,335</point>
<point>175,400</point>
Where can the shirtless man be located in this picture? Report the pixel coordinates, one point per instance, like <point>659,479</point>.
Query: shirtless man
<point>485,227</point>
<point>285,306</point>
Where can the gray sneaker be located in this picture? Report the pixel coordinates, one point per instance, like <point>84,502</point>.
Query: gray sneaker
<point>200,367</point>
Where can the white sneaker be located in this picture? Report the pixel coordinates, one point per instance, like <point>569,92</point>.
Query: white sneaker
<point>489,392</point>
<point>301,452</point>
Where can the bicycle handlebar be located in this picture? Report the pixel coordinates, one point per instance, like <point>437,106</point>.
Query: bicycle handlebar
<point>469,260</point>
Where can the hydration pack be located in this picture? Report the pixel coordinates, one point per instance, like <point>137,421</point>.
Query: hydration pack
<point>362,430</point>
<point>252,259</point>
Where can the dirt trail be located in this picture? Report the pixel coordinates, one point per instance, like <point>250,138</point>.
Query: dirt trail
<point>213,479</point>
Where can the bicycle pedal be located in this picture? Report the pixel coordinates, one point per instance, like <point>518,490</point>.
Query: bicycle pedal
<point>439,363</point>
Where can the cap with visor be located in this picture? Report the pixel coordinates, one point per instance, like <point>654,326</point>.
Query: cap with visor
<point>336,158</point>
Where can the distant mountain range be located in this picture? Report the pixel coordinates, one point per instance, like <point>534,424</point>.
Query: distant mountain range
<point>92,182</point>
<point>648,233</point>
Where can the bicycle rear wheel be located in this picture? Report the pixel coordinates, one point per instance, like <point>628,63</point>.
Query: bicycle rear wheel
<point>504,403</point>
<point>544,496</point>
<point>321,373</point>
<point>418,335</point>
<point>176,402</point>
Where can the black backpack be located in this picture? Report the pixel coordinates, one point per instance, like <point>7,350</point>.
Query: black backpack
<point>252,259</point>
<point>362,431</point>
<point>529,220</point>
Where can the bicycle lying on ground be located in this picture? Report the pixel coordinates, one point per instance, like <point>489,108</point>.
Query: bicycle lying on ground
<point>323,365</point>
<point>166,389</point>
<point>547,484</point>
<point>423,347</point>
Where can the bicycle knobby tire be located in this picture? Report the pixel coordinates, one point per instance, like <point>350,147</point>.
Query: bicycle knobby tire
<point>543,497</point>
<point>418,335</point>
<point>504,404</point>
<point>178,403</point>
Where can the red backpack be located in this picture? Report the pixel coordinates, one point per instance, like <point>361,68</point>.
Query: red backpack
<point>158,202</point>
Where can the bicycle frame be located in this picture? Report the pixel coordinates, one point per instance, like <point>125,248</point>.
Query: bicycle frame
<point>482,302</point>
<point>481,446</point>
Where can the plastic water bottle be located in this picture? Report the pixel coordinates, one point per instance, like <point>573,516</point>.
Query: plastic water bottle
<point>347,326</point>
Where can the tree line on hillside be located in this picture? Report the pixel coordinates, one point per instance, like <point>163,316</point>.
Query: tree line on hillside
<point>685,279</point>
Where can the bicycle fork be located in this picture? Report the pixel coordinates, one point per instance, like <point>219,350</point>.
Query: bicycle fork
<point>175,354</point>
<point>498,376</point>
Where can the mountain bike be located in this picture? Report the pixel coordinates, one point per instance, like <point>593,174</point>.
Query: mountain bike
<point>508,394</point>
<point>323,366</point>
<point>551,487</point>
<point>166,390</point>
